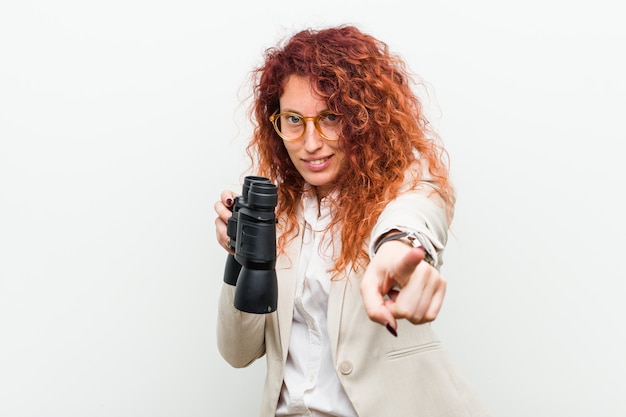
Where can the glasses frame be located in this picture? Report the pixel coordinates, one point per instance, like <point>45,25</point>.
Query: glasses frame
<point>316,119</point>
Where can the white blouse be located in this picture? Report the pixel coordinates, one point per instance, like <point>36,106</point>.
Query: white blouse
<point>311,386</point>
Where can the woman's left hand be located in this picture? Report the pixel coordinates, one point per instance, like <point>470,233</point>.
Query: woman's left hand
<point>398,284</point>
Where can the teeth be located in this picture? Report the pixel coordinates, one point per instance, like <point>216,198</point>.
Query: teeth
<point>318,161</point>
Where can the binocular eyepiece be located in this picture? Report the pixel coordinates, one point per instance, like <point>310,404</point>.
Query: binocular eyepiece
<point>252,233</point>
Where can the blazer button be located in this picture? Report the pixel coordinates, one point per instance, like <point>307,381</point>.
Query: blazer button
<point>345,367</point>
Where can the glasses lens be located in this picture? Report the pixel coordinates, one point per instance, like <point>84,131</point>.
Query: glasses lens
<point>291,126</point>
<point>327,124</point>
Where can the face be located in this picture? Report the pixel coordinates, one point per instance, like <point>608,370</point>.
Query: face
<point>318,160</point>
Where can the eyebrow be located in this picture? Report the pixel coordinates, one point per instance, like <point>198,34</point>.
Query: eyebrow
<point>300,114</point>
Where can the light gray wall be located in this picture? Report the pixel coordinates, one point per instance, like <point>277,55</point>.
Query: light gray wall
<point>120,123</point>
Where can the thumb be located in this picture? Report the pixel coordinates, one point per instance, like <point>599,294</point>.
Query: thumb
<point>405,266</point>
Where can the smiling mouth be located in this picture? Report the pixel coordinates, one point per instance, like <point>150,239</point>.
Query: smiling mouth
<point>317,161</point>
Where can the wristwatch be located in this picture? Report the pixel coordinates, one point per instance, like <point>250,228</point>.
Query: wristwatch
<point>411,238</point>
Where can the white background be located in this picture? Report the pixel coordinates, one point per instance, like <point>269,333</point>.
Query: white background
<point>121,121</point>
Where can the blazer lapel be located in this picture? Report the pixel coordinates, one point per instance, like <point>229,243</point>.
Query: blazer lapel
<point>335,310</point>
<point>287,267</point>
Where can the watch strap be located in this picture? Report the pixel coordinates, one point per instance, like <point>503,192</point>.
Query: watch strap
<point>412,238</point>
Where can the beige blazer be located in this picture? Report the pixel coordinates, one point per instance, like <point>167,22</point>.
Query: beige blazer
<point>384,376</point>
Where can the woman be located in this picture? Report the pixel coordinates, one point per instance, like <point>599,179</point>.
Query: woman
<point>364,206</point>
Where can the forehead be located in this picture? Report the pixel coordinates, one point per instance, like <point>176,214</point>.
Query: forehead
<point>298,96</point>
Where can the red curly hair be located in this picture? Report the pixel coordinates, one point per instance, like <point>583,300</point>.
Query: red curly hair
<point>384,131</point>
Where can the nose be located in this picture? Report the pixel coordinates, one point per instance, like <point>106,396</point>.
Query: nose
<point>312,139</point>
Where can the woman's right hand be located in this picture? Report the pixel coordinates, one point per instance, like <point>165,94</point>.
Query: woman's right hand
<point>223,208</point>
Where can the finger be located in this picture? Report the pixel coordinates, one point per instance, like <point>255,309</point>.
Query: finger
<point>228,198</point>
<point>222,211</point>
<point>437,302</point>
<point>421,299</point>
<point>221,236</point>
<point>220,230</point>
<point>392,294</point>
<point>372,294</point>
<point>221,221</point>
<point>411,303</point>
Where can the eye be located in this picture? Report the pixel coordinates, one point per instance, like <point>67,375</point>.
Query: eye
<point>293,119</point>
<point>329,119</point>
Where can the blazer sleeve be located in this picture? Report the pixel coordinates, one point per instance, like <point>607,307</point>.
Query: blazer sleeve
<point>240,335</point>
<point>421,210</point>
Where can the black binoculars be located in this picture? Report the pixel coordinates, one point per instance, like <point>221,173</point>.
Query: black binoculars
<point>252,233</point>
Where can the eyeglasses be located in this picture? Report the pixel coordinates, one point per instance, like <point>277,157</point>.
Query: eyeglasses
<point>291,126</point>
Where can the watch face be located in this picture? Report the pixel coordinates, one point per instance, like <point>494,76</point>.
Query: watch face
<point>415,242</point>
